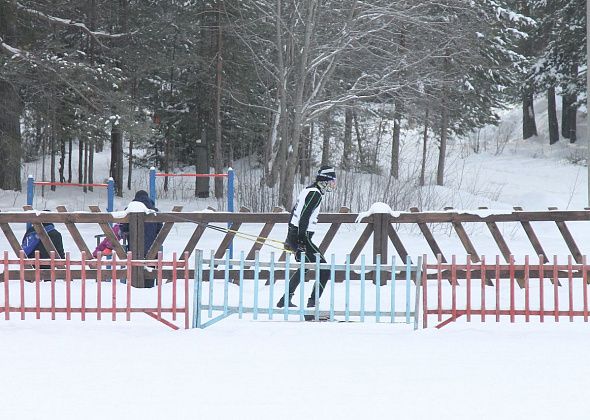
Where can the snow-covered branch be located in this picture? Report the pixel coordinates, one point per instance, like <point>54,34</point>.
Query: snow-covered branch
<point>71,23</point>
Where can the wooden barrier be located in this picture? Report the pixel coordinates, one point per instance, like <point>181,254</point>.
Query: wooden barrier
<point>381,227</point>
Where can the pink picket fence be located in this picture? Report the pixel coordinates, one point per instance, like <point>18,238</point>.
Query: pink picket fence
<point>74,289</point>
<point>526,291</point>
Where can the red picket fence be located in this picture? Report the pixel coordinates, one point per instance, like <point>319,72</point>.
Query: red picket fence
<point>65,286</point>
<point>498,291</point>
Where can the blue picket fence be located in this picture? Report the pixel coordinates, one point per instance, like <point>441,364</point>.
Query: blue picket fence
<point>391,295</point>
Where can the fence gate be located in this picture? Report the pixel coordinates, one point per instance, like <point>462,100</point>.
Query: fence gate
<point>354,293</point>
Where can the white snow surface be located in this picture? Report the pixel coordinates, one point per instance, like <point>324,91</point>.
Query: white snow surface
<point>245,369</point>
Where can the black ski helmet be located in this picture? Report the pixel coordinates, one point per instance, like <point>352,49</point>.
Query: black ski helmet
<point>326,173</point>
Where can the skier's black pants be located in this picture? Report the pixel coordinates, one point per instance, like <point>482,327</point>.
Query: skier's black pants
<point>310,256</point>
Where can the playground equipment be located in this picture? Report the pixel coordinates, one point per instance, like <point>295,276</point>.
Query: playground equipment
<point>229,175</point>
<point>110,186</point>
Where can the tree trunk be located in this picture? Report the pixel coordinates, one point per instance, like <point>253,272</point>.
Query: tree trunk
<point>395,140</point>
<point>62,159</point>
<point>552,116</point>
<point>91,165</point>
<point>85,179</point>
<point>288,182</point>
<point>10,137</point>
<point>359,141</point>
<point>70,147</point>
<point>52,149</point>
<point>529,126</point>
<point>347,140</point>
<point>565,117</point>
<point>218,160</point>
<point>326,129</point>
<point>424,149</point>
<point>116,170</point>
<point>130,164</point>
<point>573,109</point>
<point>81,160</point>
<point>443,144</point>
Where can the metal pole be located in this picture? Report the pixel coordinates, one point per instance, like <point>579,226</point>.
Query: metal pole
<point>110,194</point>
<point>153,184</point>
<point>30,190</point>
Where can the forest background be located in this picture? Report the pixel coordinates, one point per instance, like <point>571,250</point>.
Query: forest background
<point>285,85</point>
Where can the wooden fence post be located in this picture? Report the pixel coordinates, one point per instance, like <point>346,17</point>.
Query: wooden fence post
<point>380,225</point>
<point>136,246</point>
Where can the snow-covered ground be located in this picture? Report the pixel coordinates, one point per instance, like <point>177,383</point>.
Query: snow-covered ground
<point>244,369</point>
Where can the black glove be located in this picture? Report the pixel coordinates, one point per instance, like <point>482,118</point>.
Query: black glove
<point>301,248</point>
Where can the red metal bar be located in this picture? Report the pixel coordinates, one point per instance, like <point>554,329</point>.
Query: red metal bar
<point>424,292</point>
<point>512,308</point>
<point>585,287</point>
<point>526,289</point>
<point>6,291</point>
<point>68,184</point>
<point>468,286</point>
<point>174,287</point>
<point>570,287</point>
<point>129,273</point>
<point>483,288</point>
<point>52,265</point>
<point>21,255</point>
<point>114,281</point>
<point>68,288</point>
<point>186,301</point>
<point>497,288</point>
<point>159,280</point>
<point>541,288</point>
<point>555,290</point>
<point>454,286</point>
<point>163,321</point>
<point>193,175</point>
<point>83,275</point>
<point>37,285</point>
<point>439,286</point>
<point>98,285</point>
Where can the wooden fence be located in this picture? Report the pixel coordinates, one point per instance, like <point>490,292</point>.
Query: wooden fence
<point>379,228</point>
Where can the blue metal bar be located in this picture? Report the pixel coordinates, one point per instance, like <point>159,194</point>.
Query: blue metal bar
<point>347,283</point>
<point>256,272</point>
<point>377,287</point>
<point>30,190</point>
<point>110,194</point>
<point>272,285</point>
<point>393,275</point>
<point>226,284</point>
<point>363,279</point>
<point>211,283</point>
<point>286,294</point>
<point>197,287</point>
<point>408,282</point>
<point>241,290</point>
<point>332,279</point>
<point>317,287</point>
<point>302,287</point>
<point>153,184</point>
<point>218,318</point>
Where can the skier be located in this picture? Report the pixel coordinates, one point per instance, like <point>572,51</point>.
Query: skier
<point>302,225</point>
